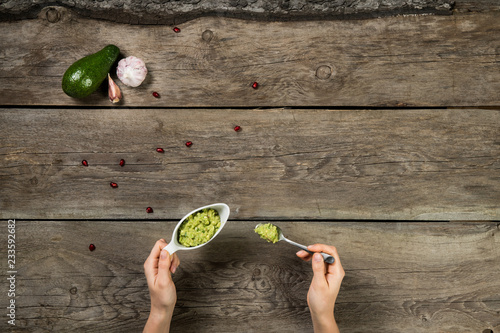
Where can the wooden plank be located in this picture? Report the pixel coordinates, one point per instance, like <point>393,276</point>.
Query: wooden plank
<point>400,277</point>
<point>175,12</point>
<point>393,61</point>
<point>465,6</point>
<point>284,163</point>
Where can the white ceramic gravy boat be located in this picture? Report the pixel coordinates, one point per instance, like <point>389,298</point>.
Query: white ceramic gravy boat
<point>174,244</point>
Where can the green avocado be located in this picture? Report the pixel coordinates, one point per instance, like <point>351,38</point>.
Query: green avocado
<point>86,75</point>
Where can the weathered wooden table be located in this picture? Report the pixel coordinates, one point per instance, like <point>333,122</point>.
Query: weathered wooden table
<point>378,135</point>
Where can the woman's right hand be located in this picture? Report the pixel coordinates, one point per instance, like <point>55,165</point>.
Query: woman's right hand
<point>325,287</point>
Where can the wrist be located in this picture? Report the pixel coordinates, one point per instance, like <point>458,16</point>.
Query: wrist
<point>161,315</point>
<point>324,323</point>
<point>158,321</point>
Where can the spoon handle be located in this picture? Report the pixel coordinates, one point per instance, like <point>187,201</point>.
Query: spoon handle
<point>326,257</point>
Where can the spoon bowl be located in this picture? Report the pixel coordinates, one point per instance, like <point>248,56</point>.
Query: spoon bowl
<point>326,257</point>
<point>174,244</point>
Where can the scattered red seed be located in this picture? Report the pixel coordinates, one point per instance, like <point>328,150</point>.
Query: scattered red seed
<point>85,163</point>
<point>160,150</point>
<point>155,94</point>
<point>149,210</point>
<point>122,162</point>
<point>189,144</point>
<point>113,185</point>
<point>255,85</point>
<point>177,29</point>
<point>91,247</point>
<point>237,128</point>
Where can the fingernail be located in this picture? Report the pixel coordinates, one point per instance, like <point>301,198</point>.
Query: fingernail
<point>317,257</point>
<point>174,269</point>
<point>163,254</point>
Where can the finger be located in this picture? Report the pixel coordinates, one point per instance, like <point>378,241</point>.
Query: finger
<point>151,263</point>
<point>155,251</point>
<point>331,250</point>
<point>304,255</point>
<point>335,276</point>
<point>322,248</point>
<point>164,265</point>
<point>319,270</point>
<point>335,271</point>
<point>175,263</point>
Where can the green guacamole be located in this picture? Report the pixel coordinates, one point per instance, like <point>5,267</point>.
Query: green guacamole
<point>268,232</point>
<point>199,227</point>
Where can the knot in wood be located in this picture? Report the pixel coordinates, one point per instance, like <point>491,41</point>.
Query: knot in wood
<point>256,272</point>
<point>207,35</point>
<point>323,72</point>
<point>53,15</point>
<point>33,181</point>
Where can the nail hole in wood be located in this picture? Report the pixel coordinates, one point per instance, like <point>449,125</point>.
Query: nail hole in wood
<point>487,331</point>
<point>207,35</point>
<point>53,15</point>
<point>323,72</point>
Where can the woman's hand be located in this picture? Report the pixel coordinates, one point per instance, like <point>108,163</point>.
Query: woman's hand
<point>158,268</point>
<point>324,288</point>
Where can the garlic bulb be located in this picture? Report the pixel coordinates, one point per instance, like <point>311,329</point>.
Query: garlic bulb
<point>131,71</point>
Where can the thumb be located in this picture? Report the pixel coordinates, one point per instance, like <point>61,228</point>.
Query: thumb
<point>319,269</point>
<point>164,267</point>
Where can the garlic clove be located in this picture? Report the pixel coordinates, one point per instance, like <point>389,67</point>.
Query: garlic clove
<point>131,71</point>
<point>115,95</point>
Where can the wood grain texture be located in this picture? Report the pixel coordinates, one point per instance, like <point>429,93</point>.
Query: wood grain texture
<point>400,277</point>
<point>179,11</point>
<point>476,5</point>
<point>394,61</point>
<point>299,164</point>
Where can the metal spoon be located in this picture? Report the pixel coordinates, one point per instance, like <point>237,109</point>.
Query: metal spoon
<point>326,257</point>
